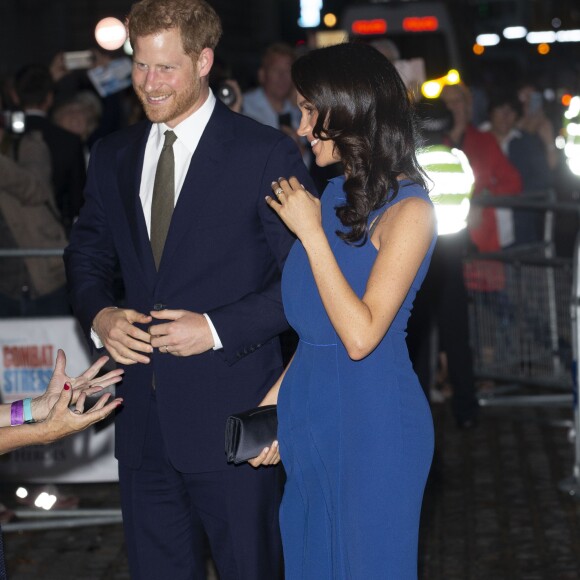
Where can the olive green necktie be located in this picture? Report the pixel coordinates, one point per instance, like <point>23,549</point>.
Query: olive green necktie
<point>163,197</point>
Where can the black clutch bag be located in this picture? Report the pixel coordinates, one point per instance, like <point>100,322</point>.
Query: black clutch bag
<point>249,432</point>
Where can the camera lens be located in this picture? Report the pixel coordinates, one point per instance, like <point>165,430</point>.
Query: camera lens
<point>226,94</point>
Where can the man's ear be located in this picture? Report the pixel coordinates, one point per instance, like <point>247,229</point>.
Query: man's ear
<point>205,62</point>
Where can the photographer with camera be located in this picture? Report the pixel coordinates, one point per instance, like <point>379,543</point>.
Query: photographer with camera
<point>224,86</point>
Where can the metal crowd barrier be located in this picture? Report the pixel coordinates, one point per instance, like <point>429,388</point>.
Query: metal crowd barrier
<point>525,332</point>
<point>34,520</point>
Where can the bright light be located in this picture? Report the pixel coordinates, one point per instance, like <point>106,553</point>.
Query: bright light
<point>127,48</point>
<point>566,99</point>
<point>560,142</point>
<point>431,89</point>
<point>487,39</point>
<point>543,48</point>
<point>574,165</point>
<point>310,13</point>
<point>22,492</point>
<point>573,129</point>
<point>420,23</point>
<point>18,125</point>
<point>478,49</point>
<point>547,36</point>
<point>45,500</point>
<point>330,20</point>
<point>451,218</point>
<point>568,36</point>
<point>376,26</point>
<point>512,32</point>
<point>453,77</point>
<point>574,108</point>
<point>110,33</point>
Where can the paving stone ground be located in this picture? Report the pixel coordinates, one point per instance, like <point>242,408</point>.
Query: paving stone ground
<point>492,510</point>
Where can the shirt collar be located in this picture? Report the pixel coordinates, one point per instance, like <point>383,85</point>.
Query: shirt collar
<point>190,130</point>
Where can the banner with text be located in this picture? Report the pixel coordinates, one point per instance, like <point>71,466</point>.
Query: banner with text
<point>28,350</point>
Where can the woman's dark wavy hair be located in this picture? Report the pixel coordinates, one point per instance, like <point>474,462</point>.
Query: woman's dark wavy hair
<point>364,107</point>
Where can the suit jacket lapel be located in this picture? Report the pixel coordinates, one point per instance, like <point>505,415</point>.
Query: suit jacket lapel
<point>130,163</point>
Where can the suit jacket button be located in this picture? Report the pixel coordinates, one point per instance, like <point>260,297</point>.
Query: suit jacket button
<point>159,306</point>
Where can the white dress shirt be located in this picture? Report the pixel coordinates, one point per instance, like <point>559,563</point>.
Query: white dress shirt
<point>188,133</point>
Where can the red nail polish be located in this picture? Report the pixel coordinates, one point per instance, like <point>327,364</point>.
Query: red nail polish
<point>66,386</point>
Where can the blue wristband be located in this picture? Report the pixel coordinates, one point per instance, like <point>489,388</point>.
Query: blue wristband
<point>27,411</point>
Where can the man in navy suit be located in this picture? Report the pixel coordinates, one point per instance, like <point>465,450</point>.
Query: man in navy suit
<point>198,335</point>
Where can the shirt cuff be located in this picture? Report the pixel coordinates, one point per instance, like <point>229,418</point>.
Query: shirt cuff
<point>96,340</point>
<point>216,339</point>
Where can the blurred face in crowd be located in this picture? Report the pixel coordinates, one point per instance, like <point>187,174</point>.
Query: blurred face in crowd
<point>325,153</point>
<point>503,119</point>
<point>276,78</point>
<point>458,102</point>
<point>170,84</point>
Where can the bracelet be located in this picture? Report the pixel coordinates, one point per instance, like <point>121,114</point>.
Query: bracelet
<point>17,413</point>
<point>27,408</point>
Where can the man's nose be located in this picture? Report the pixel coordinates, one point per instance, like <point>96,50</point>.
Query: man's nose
<point>150,80</point>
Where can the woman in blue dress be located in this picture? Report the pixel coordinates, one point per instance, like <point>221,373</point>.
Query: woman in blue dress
<point>355,430</point>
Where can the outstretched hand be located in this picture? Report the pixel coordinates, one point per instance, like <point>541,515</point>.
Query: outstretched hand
<point>296,207</point>
<point>85,384</point>
<point>61,421</point>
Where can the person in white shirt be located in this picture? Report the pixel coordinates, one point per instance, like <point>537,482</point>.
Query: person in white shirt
<point>178,202</point>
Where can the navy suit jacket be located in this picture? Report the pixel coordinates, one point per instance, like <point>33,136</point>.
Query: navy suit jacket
<point>223,256</point>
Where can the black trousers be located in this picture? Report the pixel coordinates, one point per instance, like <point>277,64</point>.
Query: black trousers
<point>442,303</point>
<point>169,516</point>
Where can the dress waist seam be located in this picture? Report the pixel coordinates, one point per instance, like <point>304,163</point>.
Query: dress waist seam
<point>317,344</point>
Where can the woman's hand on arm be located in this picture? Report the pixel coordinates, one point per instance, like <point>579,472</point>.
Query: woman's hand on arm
<point>297,208</point>
<point>87,383</point>
<point>404,234</point>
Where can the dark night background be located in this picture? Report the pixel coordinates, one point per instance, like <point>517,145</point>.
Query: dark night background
<point>34,30</point>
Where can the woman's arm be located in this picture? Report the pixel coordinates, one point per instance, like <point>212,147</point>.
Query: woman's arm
<point>271,455</point>
<point>53,419</point>
<point>59,423</point>
<point>271,397</point>
<point>87,383</point>
<point>403,236</point>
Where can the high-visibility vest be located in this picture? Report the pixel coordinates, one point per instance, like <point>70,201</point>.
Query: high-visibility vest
<point>452,185</point>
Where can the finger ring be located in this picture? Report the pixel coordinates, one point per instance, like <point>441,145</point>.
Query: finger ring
<point>279,191</point>
<point>78,412</point>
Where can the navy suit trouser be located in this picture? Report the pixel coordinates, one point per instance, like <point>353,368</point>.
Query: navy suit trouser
<point>167,516</point>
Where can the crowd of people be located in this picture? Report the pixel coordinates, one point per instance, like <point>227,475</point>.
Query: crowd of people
<point>195,229</point>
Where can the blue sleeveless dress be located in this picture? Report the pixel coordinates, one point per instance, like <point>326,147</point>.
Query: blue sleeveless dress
<point>356,437</point>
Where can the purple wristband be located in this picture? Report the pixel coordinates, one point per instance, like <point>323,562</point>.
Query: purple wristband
<point>17,413</point>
